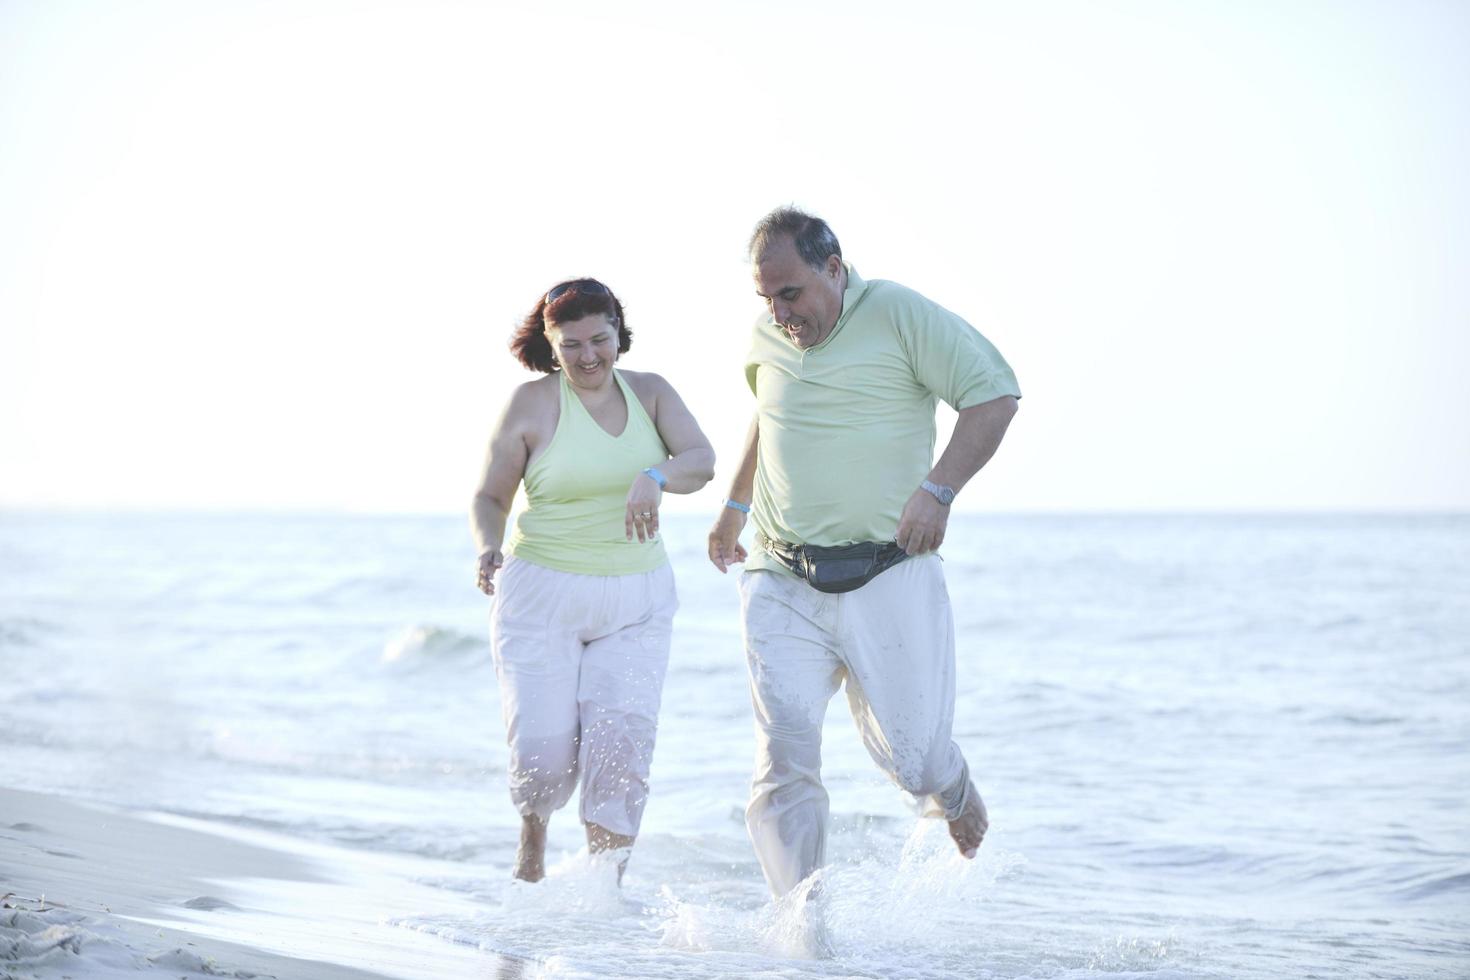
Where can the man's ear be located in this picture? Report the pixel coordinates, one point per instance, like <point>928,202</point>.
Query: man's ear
<point>834,266</point>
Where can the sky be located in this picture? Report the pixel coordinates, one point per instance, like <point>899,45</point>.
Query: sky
<point>268,255</point>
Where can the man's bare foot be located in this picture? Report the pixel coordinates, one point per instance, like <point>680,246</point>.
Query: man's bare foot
<point>816,939</point>
<point>600,840</point>
<point>531,854</point>
<point>968,829</point>
<point>798,923</point>
<point>814,942</point>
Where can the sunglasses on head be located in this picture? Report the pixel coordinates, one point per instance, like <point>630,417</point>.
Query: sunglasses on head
<point>587,287</point>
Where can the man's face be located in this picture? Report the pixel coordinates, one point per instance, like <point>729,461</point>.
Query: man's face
<point>806,302</point>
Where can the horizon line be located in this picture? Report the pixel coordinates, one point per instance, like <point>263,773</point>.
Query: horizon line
<point>154,510</point>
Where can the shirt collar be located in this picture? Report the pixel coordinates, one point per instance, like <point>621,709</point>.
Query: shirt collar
<point>851,297</point>
<point>856,286</point>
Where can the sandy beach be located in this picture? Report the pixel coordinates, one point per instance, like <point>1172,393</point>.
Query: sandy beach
<point>98,893</point>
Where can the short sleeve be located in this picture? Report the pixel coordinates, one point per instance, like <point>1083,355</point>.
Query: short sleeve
<point>949,357</point>
<point>758,350</point>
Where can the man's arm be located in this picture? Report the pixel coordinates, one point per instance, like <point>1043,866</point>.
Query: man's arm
<point>724,537</point>
<point>977,435</point>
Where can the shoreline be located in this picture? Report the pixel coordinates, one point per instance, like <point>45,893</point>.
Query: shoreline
<point>93,892</point>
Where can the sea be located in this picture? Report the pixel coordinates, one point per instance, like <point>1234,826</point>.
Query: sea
<point>1211,746</point>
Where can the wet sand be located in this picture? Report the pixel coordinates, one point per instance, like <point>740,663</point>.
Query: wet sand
<point>97,893</point>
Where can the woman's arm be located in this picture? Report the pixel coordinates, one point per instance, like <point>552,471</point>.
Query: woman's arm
<point>505,465</point>
<point>691,462</point>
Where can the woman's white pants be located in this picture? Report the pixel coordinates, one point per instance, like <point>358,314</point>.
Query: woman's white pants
<point>892,642</point>
<point>581,662</point>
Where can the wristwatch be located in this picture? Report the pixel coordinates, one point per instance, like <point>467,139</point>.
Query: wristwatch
<point>945,495</point>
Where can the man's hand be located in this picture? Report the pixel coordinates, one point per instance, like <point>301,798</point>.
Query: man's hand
<point>724,539</point>
<point>490,562</point>
<point>921,528</point>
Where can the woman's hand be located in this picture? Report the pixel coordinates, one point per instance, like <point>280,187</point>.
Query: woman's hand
<point>641,515</point>
<point>490,562</point>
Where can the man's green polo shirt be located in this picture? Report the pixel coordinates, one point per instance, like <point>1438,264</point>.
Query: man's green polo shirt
<point>847,426</point>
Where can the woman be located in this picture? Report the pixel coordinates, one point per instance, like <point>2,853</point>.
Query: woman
<point>585,600</point>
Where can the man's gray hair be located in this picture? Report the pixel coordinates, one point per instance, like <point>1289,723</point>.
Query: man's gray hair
<point>811,235</point>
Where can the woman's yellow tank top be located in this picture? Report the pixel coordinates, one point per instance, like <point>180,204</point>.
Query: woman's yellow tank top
<point>577,493</point>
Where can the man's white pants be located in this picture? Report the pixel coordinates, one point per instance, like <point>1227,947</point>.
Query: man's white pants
<point>581,661</point>
<point>892,641</point>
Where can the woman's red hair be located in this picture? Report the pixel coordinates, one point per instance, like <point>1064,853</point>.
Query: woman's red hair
<point>529,343</point>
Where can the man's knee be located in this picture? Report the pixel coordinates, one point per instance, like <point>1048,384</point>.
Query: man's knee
<point>928,774</point>
<point>788,756</point>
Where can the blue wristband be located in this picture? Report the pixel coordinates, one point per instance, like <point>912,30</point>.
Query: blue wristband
<point>737,505</point>
<point>653,474</point>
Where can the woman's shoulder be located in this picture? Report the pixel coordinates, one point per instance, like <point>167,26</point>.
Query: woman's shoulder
<point>645,383</point>
<point>531,398</point>
<point>546,386</point>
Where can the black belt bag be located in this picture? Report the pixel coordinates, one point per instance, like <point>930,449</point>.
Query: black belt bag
<point>840,568</point>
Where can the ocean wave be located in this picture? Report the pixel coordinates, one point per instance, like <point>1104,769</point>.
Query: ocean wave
<point>1439,885</point>
<point>436,842</point>
<point>421,644</point>
<point>1359,719</point>
<point>24,631</point>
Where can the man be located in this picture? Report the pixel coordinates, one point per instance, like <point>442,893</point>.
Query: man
<point>846,373</point>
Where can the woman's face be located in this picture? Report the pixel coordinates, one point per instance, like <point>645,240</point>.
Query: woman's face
<point>585,349</point>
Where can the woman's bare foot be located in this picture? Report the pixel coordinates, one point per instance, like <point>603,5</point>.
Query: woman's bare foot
<point>968,829</point>
<point>600,840</point>
<point>531,854</point>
